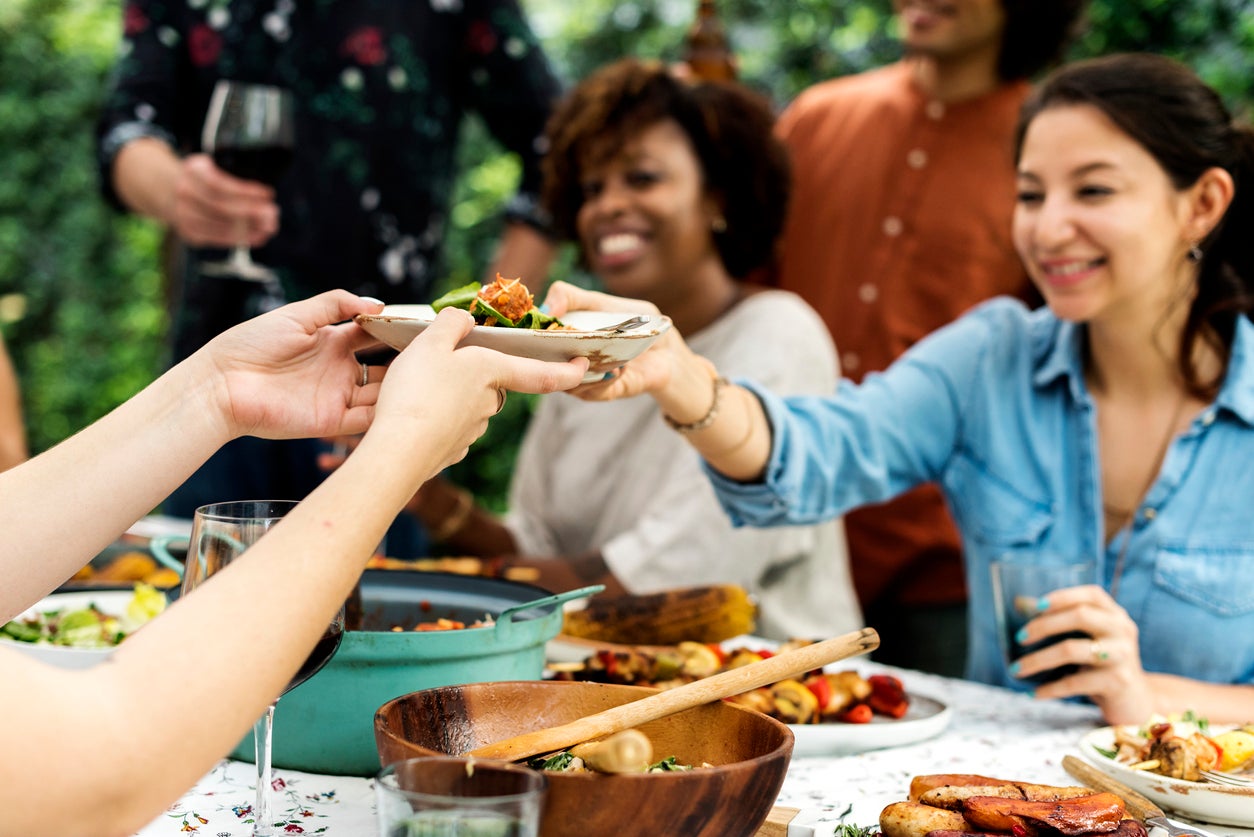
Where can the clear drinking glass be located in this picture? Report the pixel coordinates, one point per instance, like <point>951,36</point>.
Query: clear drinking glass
<point>250,133</point>
<point>453,796</point>
<point>1019,582</point>
<point>221,532</point>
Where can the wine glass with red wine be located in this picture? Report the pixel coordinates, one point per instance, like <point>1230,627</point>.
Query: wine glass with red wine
<point>249,131</point>
<point>221,532</point>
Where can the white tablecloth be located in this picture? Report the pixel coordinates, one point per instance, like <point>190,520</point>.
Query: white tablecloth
<point>993,732</point>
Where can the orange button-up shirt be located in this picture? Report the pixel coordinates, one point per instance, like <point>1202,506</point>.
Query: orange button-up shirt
<point>900,221</point>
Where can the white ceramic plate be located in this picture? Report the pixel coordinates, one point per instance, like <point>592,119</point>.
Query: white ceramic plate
<point>926,718</point>
<point>397,325</point>
<point>1196,800</point>
<point>113,602</point>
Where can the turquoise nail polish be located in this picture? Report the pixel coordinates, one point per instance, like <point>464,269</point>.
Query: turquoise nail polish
<point>1021,636</point>
<point>1043,604</point>
<point>544,308</point>
<point>1014,669</point>
<point>607,376</point>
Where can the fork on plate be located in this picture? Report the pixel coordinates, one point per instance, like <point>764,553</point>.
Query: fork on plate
<point>1229,779</point>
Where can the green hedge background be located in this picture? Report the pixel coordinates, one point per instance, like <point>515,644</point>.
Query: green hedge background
<point>81,297</point>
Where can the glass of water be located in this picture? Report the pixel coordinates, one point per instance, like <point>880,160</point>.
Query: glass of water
<point>454,796</point>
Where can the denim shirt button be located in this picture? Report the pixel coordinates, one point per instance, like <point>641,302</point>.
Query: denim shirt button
<point>1208,417</point>
<point>1150,513</point>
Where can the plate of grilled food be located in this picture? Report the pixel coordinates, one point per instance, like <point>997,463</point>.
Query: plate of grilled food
<point>1167,761</point>
<point>954,804</point>
<point>673,637</point>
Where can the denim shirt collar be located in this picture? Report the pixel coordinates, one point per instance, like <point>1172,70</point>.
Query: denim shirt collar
<point>1058,346</point>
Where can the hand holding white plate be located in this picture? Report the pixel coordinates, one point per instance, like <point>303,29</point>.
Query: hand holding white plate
<point>397,325</point>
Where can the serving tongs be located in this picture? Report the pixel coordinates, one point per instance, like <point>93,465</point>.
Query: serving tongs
<point>725,684</point>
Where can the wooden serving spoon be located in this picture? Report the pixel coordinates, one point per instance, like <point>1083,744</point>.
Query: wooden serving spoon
<point>724,684</point>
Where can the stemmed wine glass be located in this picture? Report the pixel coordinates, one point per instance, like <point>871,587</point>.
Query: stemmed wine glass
<point>221,532</point>
<point>249,131</point>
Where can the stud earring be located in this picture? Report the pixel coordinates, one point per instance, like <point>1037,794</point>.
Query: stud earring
<point>1195,254</point>
<point>719,224</point>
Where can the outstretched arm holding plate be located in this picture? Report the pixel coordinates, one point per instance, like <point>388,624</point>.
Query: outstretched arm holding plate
<point>127,737</point>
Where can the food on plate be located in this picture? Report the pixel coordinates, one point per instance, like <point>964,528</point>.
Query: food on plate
<point>1237,746</point>
<point>132,565</point>
<point>701,614</point>
<point>1182,748</point>
<point>816,697</point>
<point>950,805</point>
<point>503,302</point>
<point>87,627</point>
<point>459,565</point>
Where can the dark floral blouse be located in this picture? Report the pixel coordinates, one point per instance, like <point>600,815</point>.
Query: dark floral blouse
<point>381,87</point>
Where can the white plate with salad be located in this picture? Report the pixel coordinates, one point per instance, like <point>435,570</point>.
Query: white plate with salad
<point>517,327</point>
<point>80,629</point>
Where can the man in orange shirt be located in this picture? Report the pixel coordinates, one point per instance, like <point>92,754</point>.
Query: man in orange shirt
<point>903,190</point>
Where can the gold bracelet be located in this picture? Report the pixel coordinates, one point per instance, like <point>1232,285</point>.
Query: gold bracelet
<point>707,419</point>
<point>453,522</point>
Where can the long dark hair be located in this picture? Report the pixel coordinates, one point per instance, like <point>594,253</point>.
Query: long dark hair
<point>1183,124</point>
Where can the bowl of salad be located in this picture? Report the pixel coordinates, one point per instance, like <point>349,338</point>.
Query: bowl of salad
<point>714,770</point>
<point>80,629</point>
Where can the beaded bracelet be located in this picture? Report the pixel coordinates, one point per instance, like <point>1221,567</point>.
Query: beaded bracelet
<point>707,419</point>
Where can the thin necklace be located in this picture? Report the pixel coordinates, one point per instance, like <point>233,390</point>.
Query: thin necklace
<point>1127,516</point>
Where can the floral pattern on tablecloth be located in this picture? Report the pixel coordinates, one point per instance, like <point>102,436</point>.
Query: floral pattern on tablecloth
<point>992,731</point>
<point>221,805</point>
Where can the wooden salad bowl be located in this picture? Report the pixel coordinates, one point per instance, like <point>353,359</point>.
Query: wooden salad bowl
<point>748,751</point>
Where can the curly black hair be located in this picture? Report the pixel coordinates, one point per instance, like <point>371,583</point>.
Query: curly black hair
<point>743,166</point>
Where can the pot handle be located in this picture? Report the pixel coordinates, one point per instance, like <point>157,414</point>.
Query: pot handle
<point>507,615</point>
<point>160,545</point>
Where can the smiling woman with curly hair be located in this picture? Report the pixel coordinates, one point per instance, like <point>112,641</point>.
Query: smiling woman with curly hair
<point>673,192</point>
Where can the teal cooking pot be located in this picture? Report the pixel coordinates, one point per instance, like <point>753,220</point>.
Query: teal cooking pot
<point>326,725</point>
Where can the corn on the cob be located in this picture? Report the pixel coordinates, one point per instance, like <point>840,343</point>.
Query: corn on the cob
<point>699,614</point>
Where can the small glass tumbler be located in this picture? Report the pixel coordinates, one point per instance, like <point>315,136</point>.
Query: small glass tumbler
<point>454,796</point>
<point>1019,583</point>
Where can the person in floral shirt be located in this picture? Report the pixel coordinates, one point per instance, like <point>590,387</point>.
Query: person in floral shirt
<point>381,87</point>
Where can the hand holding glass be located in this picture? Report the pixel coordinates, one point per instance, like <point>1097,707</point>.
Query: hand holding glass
<point>1019,584</point>
<point>249,130</point>
<point>221,532</point>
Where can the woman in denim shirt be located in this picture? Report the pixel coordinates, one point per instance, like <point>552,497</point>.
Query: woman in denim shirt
<point>1113,424</point>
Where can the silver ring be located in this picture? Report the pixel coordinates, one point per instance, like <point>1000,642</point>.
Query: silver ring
<point>365,374</point>
<point>500,403</point>
<point>1099,654</point>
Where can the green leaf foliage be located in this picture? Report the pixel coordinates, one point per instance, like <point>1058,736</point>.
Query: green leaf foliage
<point>82,300</point>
